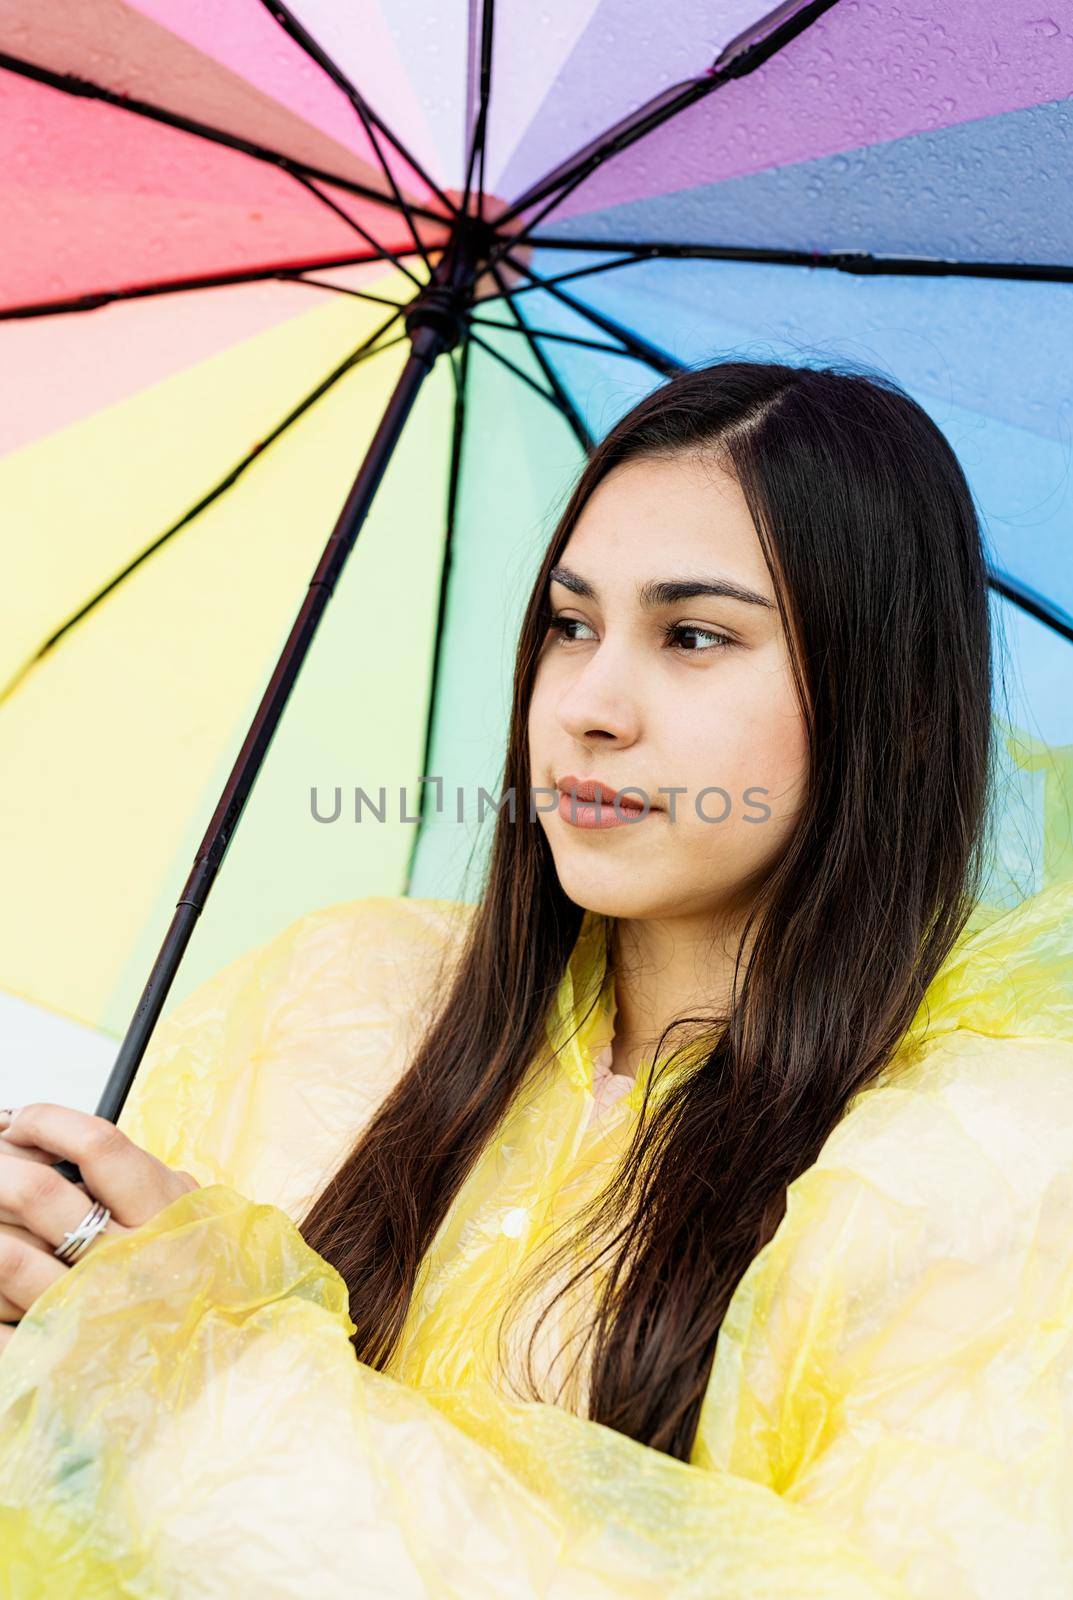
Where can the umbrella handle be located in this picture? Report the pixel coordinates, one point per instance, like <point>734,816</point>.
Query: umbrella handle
<point>67,1169</point>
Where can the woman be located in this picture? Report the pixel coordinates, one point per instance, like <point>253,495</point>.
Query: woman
<point>698,1204</point>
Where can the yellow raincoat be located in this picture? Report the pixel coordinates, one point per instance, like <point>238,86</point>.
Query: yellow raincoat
<point>890,1412</point>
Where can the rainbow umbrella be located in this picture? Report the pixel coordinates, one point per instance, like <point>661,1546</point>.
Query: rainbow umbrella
<point>275,277</point>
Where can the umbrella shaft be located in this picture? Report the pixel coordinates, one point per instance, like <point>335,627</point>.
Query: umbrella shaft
<point>434,325</point>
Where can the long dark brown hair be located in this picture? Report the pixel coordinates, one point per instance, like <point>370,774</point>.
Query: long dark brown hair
<point>872,539</point>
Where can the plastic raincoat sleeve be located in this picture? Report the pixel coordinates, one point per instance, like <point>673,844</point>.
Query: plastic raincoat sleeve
<point>889,1413</point>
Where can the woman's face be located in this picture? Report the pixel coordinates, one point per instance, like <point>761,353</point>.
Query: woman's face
<point>690,691</point>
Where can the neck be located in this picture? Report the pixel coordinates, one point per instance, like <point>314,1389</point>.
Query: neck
<point>665,969</point>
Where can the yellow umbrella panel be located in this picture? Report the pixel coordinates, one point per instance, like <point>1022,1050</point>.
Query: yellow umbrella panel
<point>115,741</point>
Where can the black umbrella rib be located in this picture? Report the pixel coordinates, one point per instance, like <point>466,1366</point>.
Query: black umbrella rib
<point>566,405</point>
<point>1019,594</point>
<point>486,34</point>
<point>511,366</point>
<point>453,487</point>
<point>368,347</point>
<point>547,333</point>
<point>84,89</point>
<point>209,280</point>
<point>355,294</point>
<point>1036,605</point>
<point>650,354</point>
<point>856,261</point>
<point>352,222</point>
<point>577,272</point>
<point>480,127</point>
<point>742,56</point>
<point>369,121</point>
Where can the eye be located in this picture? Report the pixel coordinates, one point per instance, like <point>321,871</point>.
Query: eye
<point>559,624</point>
<point>676,630</point>
<point>673,634</point>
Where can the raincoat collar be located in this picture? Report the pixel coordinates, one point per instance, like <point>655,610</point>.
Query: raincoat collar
<point>973,975</point>
<point>582,1020</point>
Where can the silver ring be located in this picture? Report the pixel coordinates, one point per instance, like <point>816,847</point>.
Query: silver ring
<point>75,1244</point>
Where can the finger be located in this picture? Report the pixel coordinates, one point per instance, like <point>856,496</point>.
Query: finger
<point>25,1273</point>
<point>26,1152</point>
<point>9,1311</point>
<point>45,1203</point>
<point>126,1178</point>
<point>15,1152</point>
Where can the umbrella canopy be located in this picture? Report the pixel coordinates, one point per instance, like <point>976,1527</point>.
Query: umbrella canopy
<point>228,224</point>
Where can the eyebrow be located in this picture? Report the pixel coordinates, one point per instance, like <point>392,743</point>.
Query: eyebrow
<point>666,591</point>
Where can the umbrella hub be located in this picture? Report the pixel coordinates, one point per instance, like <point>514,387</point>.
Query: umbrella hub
<point>441,305</point>
<point>439,308</point>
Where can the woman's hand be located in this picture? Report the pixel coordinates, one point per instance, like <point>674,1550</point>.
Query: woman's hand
<point>38,1206</point>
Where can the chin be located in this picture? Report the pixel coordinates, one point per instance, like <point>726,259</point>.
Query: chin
<point>611,893</point>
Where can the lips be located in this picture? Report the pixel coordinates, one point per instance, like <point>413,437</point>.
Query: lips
<point>592,789</point>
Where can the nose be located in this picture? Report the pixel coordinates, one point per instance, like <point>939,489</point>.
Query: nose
<point>600,704</point>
